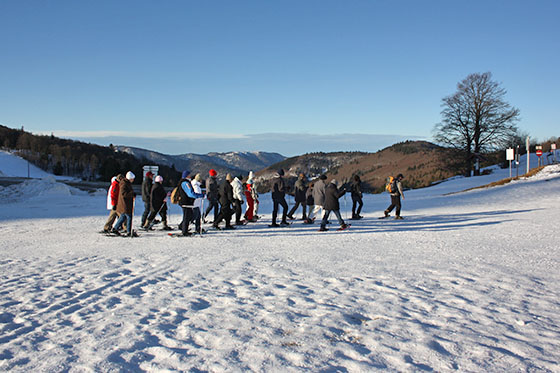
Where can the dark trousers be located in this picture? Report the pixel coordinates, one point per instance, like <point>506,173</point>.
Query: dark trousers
<point>294,209</point>
<point>196,218</point>
<point>187,217</point>
<point>162,213</point>
<point>225,214</point>
<point>237,208</point>
<point>276,204</point>
<point>395,202</point>
<point>146,212</point>
<point>326,218</point>
<point>356,201</point>
<point>212,204</point>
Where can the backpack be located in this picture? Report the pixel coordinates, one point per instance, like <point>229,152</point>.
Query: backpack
<point>175,196</point>
<point>391,186</point>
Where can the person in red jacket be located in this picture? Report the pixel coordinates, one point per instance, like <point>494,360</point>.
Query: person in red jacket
<point>112,199</point>
<point>249,214</point>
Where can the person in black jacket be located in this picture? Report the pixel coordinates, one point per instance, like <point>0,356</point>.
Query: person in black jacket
<point>212,194</point>
<point>157,204</point>
<point>396,195</point>
<point>278,199</point>
<point>226,200</point>
<point>357,197</point>
<point>146,191</point>
<point>299,196</point>
<point>331,204</point>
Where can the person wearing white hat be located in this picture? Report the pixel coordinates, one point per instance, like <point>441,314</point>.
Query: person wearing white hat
<point>125,204</point>
<point>158,204</point>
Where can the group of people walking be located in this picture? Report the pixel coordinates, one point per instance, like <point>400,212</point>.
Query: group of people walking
<point>225,201</point>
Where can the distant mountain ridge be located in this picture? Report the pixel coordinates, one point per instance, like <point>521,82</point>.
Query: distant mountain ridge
<point>422,163</point>
<point>231,162</point>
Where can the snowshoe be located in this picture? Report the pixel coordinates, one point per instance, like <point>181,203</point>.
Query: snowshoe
<point>274,225</point>
<point>344,227</point>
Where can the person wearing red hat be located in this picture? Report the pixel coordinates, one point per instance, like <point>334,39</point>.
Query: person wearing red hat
<point>146,193</point>
<point>212,194</point>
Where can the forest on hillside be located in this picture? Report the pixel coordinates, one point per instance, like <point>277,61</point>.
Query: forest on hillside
<point>75,158</point>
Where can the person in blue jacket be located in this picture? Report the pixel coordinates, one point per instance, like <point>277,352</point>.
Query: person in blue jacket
<point>186,201</point>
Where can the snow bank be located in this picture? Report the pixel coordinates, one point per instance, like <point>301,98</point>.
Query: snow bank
<point>47,188</point>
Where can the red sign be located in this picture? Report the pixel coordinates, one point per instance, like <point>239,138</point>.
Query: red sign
<point>539,153</point>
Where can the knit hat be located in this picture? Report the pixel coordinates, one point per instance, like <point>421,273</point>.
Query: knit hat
<point>130,176</point>
<point>149,174</point>
<point>185,174</point>
<point>113,179</point>
<point>159,179</point>
<point>323,177</point>
<point>212,172</point>
<point>281,172</point>
<point>197,177</point>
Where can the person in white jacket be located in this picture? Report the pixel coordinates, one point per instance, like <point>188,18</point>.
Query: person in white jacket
<point>198,204</point>
<point>237,186</point>
<point>251,194</point>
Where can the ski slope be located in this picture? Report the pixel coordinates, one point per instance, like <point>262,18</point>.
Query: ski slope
<point>467,282</point>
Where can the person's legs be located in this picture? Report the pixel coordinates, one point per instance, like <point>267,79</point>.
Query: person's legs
<point>360,205</point>
<point>284,210</point>
<point>398,205</point>
<point>110,220</point>
<point>275,204</point>
<point>292,210</point>
<point>146,213</point>
<point>187,217</point>
<point>325,220</point>
<point>339,217</point>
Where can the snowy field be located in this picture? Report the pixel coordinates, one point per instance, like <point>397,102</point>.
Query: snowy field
<point>467,282</point>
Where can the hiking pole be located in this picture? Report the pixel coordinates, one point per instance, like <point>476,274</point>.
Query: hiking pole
<point>132,216</point>
<point>200,215</point>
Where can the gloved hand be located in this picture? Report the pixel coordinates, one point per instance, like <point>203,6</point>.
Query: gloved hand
<point>114,207</point>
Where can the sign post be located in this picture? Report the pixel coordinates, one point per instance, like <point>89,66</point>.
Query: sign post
<point>539,154</point>
<point>553,149</point>
<point>528,154</point>
<point>510,156</point>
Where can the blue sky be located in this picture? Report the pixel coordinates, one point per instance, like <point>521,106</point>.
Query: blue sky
<point>285,76</point>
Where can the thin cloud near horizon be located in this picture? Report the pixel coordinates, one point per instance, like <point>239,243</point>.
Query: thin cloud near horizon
<point>287,144</point>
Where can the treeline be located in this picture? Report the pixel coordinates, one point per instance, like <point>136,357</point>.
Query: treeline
<point>77,159</point>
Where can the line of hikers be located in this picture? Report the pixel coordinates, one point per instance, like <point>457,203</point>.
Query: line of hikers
<point>225,200</point>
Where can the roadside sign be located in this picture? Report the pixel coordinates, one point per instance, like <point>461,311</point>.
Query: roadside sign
<point>553,146</point>
<point>153,169</point>
<point>510,155</point>
<point>539,153</point>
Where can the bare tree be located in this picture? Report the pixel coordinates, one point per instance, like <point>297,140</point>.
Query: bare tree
<point>476,119</point>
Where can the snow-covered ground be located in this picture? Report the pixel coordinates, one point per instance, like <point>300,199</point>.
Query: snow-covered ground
<point>468,282</point>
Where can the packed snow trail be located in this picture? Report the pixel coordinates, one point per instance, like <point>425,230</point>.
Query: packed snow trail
<point>466,282</point>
